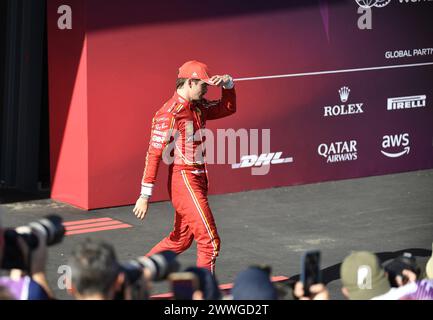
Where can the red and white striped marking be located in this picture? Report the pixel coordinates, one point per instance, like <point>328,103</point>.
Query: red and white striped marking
<point>93,225</point>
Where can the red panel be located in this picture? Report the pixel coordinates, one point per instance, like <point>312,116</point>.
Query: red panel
<point>67,55</point>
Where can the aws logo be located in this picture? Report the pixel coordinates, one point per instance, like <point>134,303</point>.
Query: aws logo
<point>396,141</point>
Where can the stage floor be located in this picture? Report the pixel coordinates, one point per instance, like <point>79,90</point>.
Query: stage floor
<point>384,214</point>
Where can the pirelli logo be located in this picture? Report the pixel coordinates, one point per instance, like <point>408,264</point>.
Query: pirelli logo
<point>406,102</point>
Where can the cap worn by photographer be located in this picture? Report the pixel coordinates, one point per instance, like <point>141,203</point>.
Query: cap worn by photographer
<point>363,276</point>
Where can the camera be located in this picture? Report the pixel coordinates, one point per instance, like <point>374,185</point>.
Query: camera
<point>396,266</point>
<point>159,265</point>
<point>13,257</point>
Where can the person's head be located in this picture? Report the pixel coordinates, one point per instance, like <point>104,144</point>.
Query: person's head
<point>363,277</point>
<point>208,285</point>
<point>192,80</point>
<point>254,284</point>
<point>95,271</point>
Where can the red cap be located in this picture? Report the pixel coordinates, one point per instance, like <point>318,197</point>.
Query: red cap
<point>195,70</point>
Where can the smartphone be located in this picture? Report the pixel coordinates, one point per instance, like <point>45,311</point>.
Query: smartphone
<point>396,266</point>
<point>183,285</point>
<point>310,270</point>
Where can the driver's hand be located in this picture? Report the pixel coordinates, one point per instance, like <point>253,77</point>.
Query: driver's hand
<point>225,81</point>
<point>140,208</point>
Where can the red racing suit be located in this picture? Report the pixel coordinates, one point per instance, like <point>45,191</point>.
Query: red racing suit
<point>176,135</point>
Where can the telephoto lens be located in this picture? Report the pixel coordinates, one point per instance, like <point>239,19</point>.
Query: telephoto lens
<point>135,286</point>
<point>159,265</point>
<point>132,269</point>
<point>50,227</point>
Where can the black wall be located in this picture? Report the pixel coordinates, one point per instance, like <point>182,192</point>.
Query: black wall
<point>3,6</point>
<point>24,146</point>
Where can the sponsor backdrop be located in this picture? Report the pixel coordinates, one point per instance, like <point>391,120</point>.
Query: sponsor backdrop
<point>345,88</point>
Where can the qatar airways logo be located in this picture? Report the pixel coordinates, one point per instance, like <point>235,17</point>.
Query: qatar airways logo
<point>343,109</point>
<point>398,143</point>
<point>339,151</point>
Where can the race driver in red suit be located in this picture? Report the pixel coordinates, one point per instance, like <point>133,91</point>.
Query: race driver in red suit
<point>176,128</point>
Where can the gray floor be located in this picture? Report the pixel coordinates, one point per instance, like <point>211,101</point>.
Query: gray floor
<point>384,214</point>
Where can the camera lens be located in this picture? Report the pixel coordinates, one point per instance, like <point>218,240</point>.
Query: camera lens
<point>13,258</point>
<point>159,265</point>
<point>52,227</point>
<point>132,269</point>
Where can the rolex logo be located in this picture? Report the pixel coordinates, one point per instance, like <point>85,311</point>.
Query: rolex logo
<point>344,93</point>
<point>343,109</point>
